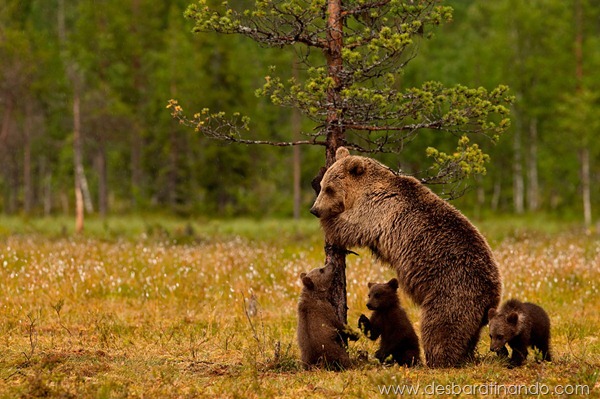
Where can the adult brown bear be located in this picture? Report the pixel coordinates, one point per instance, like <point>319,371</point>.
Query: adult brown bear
<point>441,259</point>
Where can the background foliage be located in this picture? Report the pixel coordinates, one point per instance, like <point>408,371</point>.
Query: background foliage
<point>136,55</point>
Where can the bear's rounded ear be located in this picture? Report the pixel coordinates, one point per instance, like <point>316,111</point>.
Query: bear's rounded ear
<point>341,152</point>
<point>393,283</point>
<point>491,313</point>
<point>370,284</point>
<point>308,283</point>
<point>302,275</point>
<point>356,167</point>
<point>513,318</point>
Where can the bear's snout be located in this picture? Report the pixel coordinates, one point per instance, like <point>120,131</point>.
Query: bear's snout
<point>496,346</point>
<point>315,212</point>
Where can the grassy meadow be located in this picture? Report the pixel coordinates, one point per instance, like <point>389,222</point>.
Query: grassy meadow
<point>169,308</point>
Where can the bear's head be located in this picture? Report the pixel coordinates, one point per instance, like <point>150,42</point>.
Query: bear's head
<point>341,183</point>
<point>383,295</point>
<point>318,280</point>
<point>504,326</point>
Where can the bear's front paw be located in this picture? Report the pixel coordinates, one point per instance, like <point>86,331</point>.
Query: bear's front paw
<point>502,352</point>
<point>384,358</point>
<point>350,333</point>
<point>363,323</point>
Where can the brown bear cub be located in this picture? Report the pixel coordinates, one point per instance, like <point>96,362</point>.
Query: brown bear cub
<point>519,325</point>
<point>440,258</point>
<point>321,336</point>
<point>389,320</point>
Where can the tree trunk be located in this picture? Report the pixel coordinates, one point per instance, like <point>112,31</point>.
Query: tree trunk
<point>85,188</point>
<point>75,77</point>
<point>27,184</point>
<point>136,165</point>
<point>584,157</point>
<point>297,168</point>
<point>518,183</point>
<point>296,161</point>
<point>335,138</point>
<point>13,183</point>
<point>172,180</point>
<point>532,168</point>
<point>46,176</point>
<point>102,181</point>
<point>136,136</point>
<point>495,203</point>
<point>584,152</point>
<point>78,166</point>
<point>6,118</point>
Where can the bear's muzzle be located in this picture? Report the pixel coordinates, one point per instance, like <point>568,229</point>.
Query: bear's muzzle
<point>315,212</point>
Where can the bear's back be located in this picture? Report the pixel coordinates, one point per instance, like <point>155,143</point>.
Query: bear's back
<point>539,321</point>
<point>317,335</point>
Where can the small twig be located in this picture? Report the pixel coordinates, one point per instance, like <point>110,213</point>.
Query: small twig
<point>32,336</point>
<point>57,308</point>
<point>254,332</point>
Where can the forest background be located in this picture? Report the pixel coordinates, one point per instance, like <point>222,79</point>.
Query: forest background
<point>156,300</point>
<point>111,67</point>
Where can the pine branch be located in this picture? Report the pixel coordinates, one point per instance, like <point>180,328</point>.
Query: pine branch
<point>218,127</point>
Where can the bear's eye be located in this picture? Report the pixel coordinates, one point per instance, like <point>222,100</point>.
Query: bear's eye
<point>322,271</point>
<point>377,296</point>
<point>329,191</point>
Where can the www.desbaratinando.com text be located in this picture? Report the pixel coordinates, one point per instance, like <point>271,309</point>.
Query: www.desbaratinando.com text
<point>483,389</point>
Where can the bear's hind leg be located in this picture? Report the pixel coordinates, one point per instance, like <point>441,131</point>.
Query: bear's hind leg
<point>408,358</point>
<point>543,344</point>
<point>544,349</point>
<point>448,343</point>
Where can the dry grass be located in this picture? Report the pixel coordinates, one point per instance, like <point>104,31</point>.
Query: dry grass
<point>143,315</point>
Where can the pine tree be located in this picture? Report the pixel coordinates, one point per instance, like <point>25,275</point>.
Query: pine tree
<point>353,52</point>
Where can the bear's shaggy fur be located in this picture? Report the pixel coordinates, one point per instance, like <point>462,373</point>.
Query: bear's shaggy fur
<point>519,325</point>
<point>321,336</point>
<point>441,259</point>
<point>389,320</point>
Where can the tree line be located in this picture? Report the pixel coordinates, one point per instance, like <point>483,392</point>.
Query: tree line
<point>84,88</point>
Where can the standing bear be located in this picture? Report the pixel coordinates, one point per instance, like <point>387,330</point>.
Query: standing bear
<point>442,261</point>
<point>519,325</point>
<point>389,320</point>
<point>321,336</point>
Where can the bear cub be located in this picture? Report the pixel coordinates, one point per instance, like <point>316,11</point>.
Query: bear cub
<point>519,325</point>
<point>321,336</point>
<point>389,320</point>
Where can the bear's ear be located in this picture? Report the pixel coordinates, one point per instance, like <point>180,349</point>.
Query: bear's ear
<point>356,167</point>
<point>370,285</point>
<point>302,275</point>
<point>393,283</point>
<point>491,313</point>
<point>512,318</point>
<point>342,152</point>
<point>308,283</point>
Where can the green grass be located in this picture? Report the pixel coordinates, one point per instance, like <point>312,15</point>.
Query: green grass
<point>165,228</point>
<point>157,307</point>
